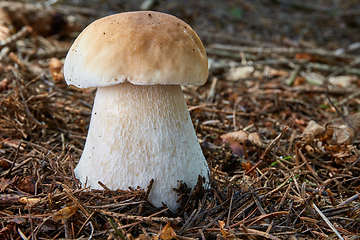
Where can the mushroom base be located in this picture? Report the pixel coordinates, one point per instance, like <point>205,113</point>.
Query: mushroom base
<point>138,133</point>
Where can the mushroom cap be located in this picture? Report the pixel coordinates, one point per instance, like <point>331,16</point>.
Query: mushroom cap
<point>142,47</point>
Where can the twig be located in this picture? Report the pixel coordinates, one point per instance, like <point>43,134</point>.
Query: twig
<point>327,221</point>
<point>77,202</point>
<point>356,196</point>
<point>15,158</point>
<point>230,206</point>
<point>23,99</point>
<point>294,74</point>
<point>212,91</point>
<point>280,50</point>
<point>140,218</point>
<point>249,232</point>
<point>308,165</point>
<point>267,150</point>
<point>24,31</point>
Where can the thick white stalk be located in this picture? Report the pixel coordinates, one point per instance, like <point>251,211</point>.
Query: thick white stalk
<point>138,133</point>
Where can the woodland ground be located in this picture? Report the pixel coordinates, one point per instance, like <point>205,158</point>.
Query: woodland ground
<point>278,122</point>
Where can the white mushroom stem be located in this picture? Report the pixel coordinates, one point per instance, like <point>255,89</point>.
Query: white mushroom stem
<point>138,133</point>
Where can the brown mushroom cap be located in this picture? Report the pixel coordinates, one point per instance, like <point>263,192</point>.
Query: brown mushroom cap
<point>143,47</point>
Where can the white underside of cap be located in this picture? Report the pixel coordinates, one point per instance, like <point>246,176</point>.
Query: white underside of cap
<point>139,133</point>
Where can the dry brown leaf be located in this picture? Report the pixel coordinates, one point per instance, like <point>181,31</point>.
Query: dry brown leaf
<point>64,213</point>
<point>142,237</point>
<point>14,144</point>
<point>258,74</point>
<point>342,81</point>
<point>239,73</point>
<point>5,182</point>
<point>237,149</point>
<point>272,72</point>
<point>4,33</point>
<point>255,139</point>
<point>304,56</point>
<point>351,159</point>
<point>354,120</point>
<point>167,233</point>
<point>246,166</point>
<point>218,141</point>
<point>129,236</point>
<point>343,135</point>
<point>313,78</point>
<point>239,136</point>
<point>5,25</point>
<point>4,164</point>
<point>299,80</point>
<point>26,200</point>
<point>4,84</point>
<point>55,66</point>
<point>228,234</point>
<point>312,131</point>
<point>27,184</point>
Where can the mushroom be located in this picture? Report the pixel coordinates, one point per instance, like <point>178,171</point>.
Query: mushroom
<point>140,126</point>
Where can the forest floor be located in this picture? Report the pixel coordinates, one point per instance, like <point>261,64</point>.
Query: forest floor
<point>278,122</point>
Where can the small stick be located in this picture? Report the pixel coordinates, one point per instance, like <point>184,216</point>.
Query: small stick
<point>77,202</point>
<point>149,187</point>
<point>327,221</point>
<point>293,75</point>
<point>267,150</point>
<point>104,186</point>
<point>230,206</point>
<point>349,200</point>
<point>16,156</point>
<point>308,165</point>
<point>234,112</point>
<point>212,91</point>
<point>24,31</point>
<point>140,218</point>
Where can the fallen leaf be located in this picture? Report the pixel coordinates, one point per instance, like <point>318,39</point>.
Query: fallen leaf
<point>218,141</point>
<point>342,81</point>
<point>55,66</point>
<point>343,135</point>
<point>4,84</point>
<point>312,131</point>
<point>5,183</point>
<point>354,120</point>
<point>5,25</point>
<point>255,138</point>
<point>237,149</point>
<point>313,78</point>
<point>351,159</point>
<point>239,73</point>
<point>258,74</point>
<point>246,166</point>
<point>141,237</point>
<point>299,80</point>
<point>304,56</point>
<point>15,144</point>
<point>228,234</point>
<point>238,136</point>
<point>272,72</point>
<point>4,164</point>
<point>64,213</point>
<point>26,200</point>
<point>27,184</point>
<point>167,233</point>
